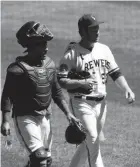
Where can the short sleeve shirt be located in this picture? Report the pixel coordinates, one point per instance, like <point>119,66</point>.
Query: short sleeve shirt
<point>99,63</point>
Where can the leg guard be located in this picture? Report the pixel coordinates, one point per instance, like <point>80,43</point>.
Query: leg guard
<point>38,158</point>
<point>49,161</point>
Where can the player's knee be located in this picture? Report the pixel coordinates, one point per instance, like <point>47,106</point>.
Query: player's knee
<point>39,158</point>
<point>93,138</point>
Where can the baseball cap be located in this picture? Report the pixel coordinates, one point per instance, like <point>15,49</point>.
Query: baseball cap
<point>88,20</point>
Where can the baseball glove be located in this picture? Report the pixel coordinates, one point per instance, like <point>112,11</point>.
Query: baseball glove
<point>75,133</point>
<point>73,74</point>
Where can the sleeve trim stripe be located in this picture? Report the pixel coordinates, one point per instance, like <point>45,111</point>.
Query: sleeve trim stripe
<point>110,72</point>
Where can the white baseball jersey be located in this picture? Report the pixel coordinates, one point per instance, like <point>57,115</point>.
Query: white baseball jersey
<point>99,63</point>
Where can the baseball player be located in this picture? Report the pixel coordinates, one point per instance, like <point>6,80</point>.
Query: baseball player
<point>97,59</point>
<point>30,85</point>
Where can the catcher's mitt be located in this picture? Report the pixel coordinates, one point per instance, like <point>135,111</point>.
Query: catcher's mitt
<point>75,133</point>
<point>79,75</point>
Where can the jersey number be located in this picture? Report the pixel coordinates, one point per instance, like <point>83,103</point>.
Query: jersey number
<point>104,78</point>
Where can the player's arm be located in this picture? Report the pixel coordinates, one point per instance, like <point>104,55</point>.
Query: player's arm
<point>67,63</point>
<point>59,99</point>
<point>6,105</point>
<point>68,83</point>
<point>117,76</point>
<point>122,83</point>
<point>7,94</point>
<point>71,84</point>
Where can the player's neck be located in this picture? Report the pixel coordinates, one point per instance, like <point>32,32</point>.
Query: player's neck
<point>34,61</point>
<point>86,44</point>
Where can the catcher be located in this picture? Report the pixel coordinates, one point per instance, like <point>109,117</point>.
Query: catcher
<point>84,70</point>
<point>30,85</point>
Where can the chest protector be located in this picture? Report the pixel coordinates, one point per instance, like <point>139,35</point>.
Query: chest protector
<point>37,84</point>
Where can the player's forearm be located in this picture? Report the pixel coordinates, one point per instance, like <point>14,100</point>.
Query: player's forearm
<point>122,83</point>
<point>64,107</point>
<point>69,83</point>
<point>6,106</point>
<point>5,116</point>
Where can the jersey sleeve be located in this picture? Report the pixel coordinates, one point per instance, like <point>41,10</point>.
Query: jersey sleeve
<point>67,62</point>
<point>57,94</point>
<point>13,73</point>
<point>113,66</point>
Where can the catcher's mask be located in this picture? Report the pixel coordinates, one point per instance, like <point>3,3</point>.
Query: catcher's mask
<point>33,32</point>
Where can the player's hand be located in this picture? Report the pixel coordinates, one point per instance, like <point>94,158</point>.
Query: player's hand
<point>87,84</point>
<point>5,129</point>
<point>71,118</point>
<point>130,96</point>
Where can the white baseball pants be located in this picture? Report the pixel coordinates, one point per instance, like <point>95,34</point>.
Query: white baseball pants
<point>92,115</point>
<point>34,132</point>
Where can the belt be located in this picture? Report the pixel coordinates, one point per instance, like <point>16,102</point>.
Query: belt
<point>90,98</point>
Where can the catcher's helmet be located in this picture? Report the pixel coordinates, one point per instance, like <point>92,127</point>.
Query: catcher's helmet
<point>32,32</point>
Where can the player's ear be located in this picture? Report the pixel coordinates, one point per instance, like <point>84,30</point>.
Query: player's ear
<point>81,32</point>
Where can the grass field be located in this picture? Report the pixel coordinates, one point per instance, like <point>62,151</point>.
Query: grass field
<point>121,32</point>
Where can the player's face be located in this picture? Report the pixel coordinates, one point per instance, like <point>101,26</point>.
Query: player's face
<point>40,49</point>
<point>93,34</point>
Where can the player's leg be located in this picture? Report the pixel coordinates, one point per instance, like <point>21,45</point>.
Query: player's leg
<point>99,161</point>
<point>92,141</point>
<point>101,110</point>
<point>29,134</point>
<point>84,111</point>
<point>38,158</point>
<point>102,136</point>
<point>80,156</point>
<point>47,138</point>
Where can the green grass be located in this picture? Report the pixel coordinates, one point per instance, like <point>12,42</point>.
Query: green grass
<point>121,33</point>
